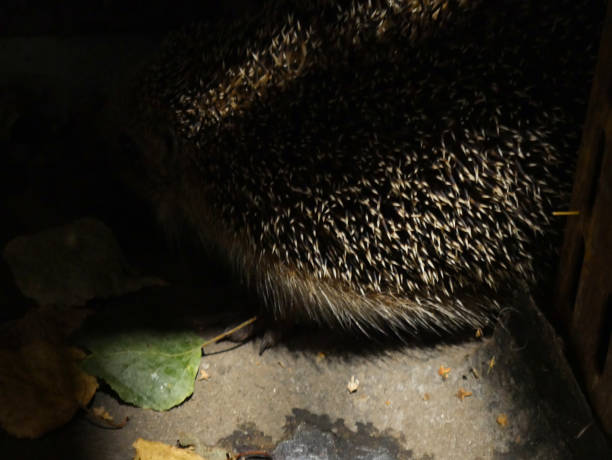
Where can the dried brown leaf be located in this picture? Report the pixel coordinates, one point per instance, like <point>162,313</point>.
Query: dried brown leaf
<point>42,388</point>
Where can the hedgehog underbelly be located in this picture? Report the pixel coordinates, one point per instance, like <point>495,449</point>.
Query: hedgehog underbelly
<point>356,176</point>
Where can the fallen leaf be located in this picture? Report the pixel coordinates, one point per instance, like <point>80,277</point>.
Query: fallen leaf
<point>154,450</point>
<point>100,417</point>
<point>51,324</point>
<point>491,364</point>
<point>148,368</point>
<point>72,264</point>
<point>462,394</point>
<point>42,388</point>
<point>353,385</point>
<point>502,420</point>
<point>444,371</point>
<point>102,413</point>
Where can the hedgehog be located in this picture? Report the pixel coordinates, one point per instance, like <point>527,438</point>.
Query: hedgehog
<point>368,165</point>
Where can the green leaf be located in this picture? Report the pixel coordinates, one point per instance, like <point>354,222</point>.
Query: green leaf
<point>149,368</point>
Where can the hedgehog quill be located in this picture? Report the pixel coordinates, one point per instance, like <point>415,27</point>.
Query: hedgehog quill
<point>382,165</point>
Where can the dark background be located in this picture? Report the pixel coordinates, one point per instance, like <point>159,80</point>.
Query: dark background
<point>71,17</point>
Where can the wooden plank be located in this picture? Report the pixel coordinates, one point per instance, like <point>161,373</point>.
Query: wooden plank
<point>584,284</point>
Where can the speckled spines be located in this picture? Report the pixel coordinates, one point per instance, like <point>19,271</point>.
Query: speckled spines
<point>386,165</point>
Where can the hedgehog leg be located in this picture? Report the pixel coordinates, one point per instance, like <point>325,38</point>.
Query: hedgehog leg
<point>272,337</point>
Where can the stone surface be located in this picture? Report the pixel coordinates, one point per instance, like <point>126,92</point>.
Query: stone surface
<point>296,394</point>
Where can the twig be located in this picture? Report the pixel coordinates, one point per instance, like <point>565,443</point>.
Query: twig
<point>566,213</point>
<point>230,332</point>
